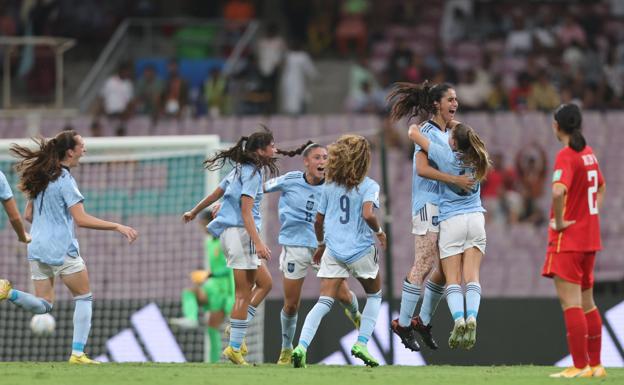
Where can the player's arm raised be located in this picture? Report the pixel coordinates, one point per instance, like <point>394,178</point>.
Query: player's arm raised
<point>207,201</point>
<point>425,170</point>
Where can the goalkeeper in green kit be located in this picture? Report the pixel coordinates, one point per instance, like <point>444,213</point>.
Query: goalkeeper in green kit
<point>213,289</point>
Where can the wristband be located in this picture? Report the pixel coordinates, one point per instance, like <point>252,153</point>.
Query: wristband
<point>321,243</point>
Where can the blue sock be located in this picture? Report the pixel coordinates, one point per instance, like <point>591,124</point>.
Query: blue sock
<point>369,317</point>
<point>455,301</point>
<point>251,313</point>
<point>353,306</point>
<point>431,299</point>
<point>313,320</point>
<point>237,332</point>
<point>473,299</point>
<point>409,300</point>
<point>29,302</point>
<point>82,322</point>
<point>289,326</point>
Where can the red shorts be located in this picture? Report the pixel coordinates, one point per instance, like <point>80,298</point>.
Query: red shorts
<point>572,266</point>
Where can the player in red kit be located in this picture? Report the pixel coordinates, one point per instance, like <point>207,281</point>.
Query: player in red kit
<point>573,239</point>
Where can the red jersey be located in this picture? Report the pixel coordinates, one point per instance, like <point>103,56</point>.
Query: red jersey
<point>579,172</point>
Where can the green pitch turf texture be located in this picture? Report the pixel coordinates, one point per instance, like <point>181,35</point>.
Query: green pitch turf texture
<point>226,374</point>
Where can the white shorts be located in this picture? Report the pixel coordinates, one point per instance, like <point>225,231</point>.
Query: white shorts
<point>462,232</point>
<point>239,249</point>
<point>40,271</point>
<point>295,260</point>
<point>426,220</point>
<point>366,267</point>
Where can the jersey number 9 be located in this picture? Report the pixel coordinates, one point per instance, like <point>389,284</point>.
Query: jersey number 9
<point>344,206</point>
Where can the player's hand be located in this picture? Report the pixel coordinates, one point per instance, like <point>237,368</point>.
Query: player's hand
<point>26,239</point>
<point>130,233</point>
<point>318,254</point>
<point>215,209</point>
<point>188,216</point>
<point>263,251</point>
<point>563,226</point>
<point>382,239</point>
<point>465,182</point>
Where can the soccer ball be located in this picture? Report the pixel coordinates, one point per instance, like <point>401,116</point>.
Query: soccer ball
<point>42,324</point>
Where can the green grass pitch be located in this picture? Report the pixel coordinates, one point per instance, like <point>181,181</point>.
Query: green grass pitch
<point>54,373</point>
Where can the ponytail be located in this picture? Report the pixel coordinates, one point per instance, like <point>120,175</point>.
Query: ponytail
<point>37,168</point>
<point>303,149</point>
<point>415,100</point>
<point>569,118</point>
<point>472,149</point>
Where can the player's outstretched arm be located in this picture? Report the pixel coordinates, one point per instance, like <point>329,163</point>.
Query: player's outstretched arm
<point>88,221</point>
<point>207,201</point>
<point>16,220</point>
<point>425,170</point>
<point>371,220</point>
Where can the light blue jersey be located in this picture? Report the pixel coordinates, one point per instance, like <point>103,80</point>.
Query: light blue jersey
<point>297,208</point>
<point>242,180</point>
<point>454,200</point>
<point>347,235</point>
<point>5,188</point>
<point>52,230</point>
<point>426,190</point>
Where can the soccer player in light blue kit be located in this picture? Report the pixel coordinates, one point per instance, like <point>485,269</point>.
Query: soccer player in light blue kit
<point>437,103</point>
<point>54,204</point>
<point>299,196</point>
<point>345,222</point>
<point>238,224</point>
<point>462,224</point>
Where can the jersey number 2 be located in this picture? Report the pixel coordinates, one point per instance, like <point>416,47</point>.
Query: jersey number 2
<point>592,177</point>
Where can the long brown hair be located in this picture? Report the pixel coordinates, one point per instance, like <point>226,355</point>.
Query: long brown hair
<point>349,161</point>
<point>416,100</point>
<point>38,167</point>
<point>472,150</point>
<point>244,152</point>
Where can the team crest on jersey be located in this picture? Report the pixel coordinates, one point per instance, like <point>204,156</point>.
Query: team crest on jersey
<point>557,175</point>
<point>291,267</point>
<point>434,220</point>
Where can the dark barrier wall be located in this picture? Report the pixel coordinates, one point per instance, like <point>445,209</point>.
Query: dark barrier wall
<point>510,331</point>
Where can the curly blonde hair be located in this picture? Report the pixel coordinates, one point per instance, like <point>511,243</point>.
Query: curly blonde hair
<point>349,161</point>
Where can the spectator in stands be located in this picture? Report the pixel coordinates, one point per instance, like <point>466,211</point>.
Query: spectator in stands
<point>502,202</point>
<point>367,100</point>
<point>270,51</point>
<point>239,11</point>
<point>116,100</point>
<point>571,32</point>
<point>531,168</point>
<point>474,88</point>
<point>360,74</point>
<point>519,95</point>
<point>414,73</point>
<point>352,26</point>
<point>149,93</point>
<point>520,38</point>
<point>176,94</point>
<point>399,61</point>
<point>298,69</point>
<point>320,35</point>
<point>215,93</point>
<point>497,99</point>
<point>543,95</point>
<point>614,74</point>
<point>256,96</point>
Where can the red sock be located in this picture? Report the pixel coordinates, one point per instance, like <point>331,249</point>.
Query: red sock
<point>594,336</point>
<point>576,325</point>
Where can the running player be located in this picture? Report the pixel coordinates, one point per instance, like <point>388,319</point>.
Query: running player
<point>462,224</point>
<point>345,222</point>
<point>437,103</point>
<point>299,196</point>
<point>573,239</point>
<point>54,203</point>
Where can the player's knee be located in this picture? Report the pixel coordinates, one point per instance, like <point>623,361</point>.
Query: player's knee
<point>291,308</point>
